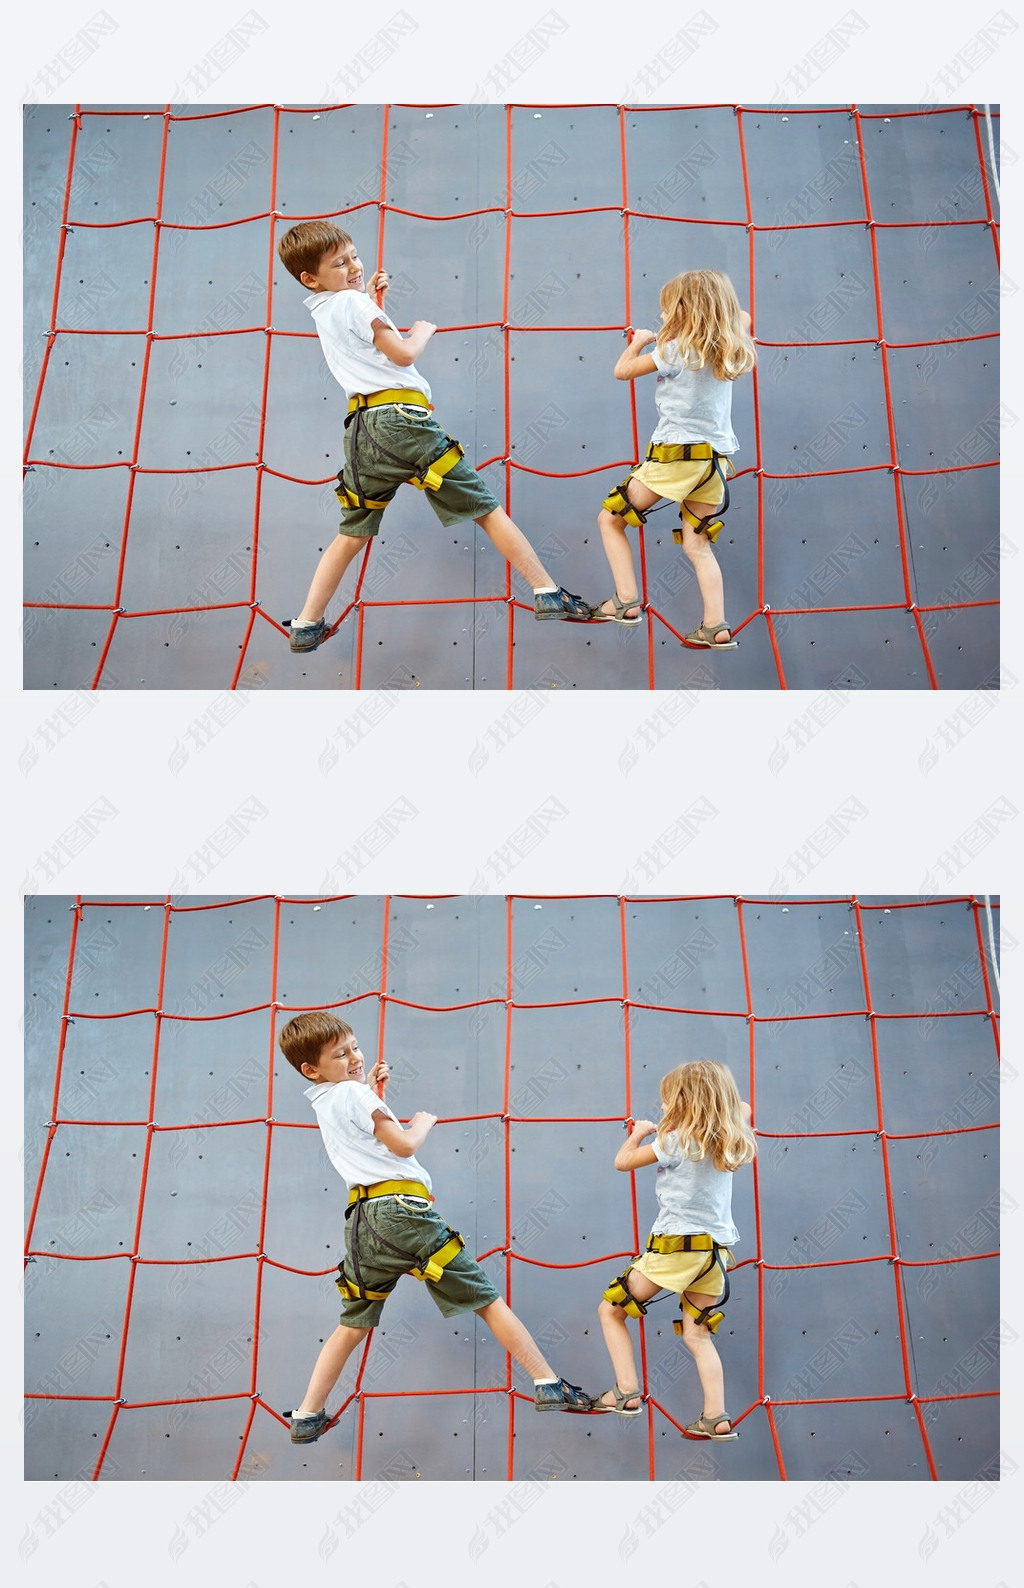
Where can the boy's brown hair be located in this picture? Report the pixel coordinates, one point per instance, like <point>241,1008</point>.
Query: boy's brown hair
<point>304,1038</point>
<point>305,245</point>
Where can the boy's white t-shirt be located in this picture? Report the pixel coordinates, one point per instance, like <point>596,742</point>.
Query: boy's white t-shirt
<point>344,1111</point>
<point>694,1197</point>
<point>343,323</point>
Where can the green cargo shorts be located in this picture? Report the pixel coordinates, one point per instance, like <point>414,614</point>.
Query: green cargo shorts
<point>411,1224</point>
<point>412,435</point>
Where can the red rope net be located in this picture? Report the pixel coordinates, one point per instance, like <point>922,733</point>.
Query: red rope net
<point>254,471</point>
<point>963,995</point>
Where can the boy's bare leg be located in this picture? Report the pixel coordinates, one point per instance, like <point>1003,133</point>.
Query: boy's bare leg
<point>705,565</point>
<point>709,1363</point>
<point>515,1337</point>
<point>509,539</point>
<point>329,573</point>
<point>334,1354</point>
<point>617,548</point>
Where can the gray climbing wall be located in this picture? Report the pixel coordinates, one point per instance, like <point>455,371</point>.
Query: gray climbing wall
<point>175,1181</point>
<point>157,549</point>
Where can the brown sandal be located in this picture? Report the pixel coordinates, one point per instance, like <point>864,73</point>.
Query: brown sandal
<point>704,1427</point>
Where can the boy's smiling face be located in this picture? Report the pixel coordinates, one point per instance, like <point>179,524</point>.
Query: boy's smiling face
<point>340,270</point>
<point>341,1059</point>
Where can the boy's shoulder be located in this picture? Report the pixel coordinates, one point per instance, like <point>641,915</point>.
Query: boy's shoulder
<point>344,310</point>
<point>346,1099</point>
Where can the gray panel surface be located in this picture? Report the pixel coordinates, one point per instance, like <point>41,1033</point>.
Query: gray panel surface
<point>182,1251</point>
<point>507,228</point>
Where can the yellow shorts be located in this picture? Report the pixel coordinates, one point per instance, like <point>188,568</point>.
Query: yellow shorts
<point>678,1270</point>
<point>679,481</point>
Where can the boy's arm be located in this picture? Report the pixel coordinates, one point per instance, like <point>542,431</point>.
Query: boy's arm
<point>632,1154</point>
<point>401,350</point>
<point>634,361</point>
<point>403,1143</point>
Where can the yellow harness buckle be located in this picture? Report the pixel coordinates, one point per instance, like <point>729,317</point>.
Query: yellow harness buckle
<point>438,1261</point>
<point>431,477</point>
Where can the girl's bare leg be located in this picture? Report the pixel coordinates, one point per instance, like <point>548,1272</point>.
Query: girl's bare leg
<point>705,565</point>
<point>709,1363</point>
<point>617,548</point>
<point>615,1328</point>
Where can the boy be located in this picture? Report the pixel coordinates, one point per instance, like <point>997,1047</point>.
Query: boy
<point>389,434</point>
<point>390,1226</point>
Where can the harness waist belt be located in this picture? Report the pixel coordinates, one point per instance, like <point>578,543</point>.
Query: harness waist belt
<point>682,452</point>
<point>680,1243</point>
<point>377,398</point>
<point>389,1188</point>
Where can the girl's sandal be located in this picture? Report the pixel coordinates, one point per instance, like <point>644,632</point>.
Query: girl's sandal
<point>621,608</point>
<point>597,1404</point>
<point>706,637</point>
<point>704,1427</point>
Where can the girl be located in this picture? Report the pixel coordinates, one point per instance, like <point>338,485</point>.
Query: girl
<point>704,1136</point>
<point>703,346</point>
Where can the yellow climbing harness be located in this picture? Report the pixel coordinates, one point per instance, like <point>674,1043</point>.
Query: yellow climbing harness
<point>678,452</point>
<point>431,1267</point>
<point>619,1295</point>
<point>432,476</point>
<point>711,1316</point>
<point>695,452</point>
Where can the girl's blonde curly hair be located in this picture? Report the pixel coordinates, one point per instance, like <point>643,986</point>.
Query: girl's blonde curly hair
<point>703,1108</point>
<point>702,317</point>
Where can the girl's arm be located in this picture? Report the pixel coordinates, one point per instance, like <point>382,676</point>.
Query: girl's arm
<point>634,361</point>
<point>632,1154</point>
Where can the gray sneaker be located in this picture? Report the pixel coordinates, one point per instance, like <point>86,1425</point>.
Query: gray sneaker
<point>561,1397</point>
<point>560,604</point>
<point>306,1429</point>
<point>307,637</point>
